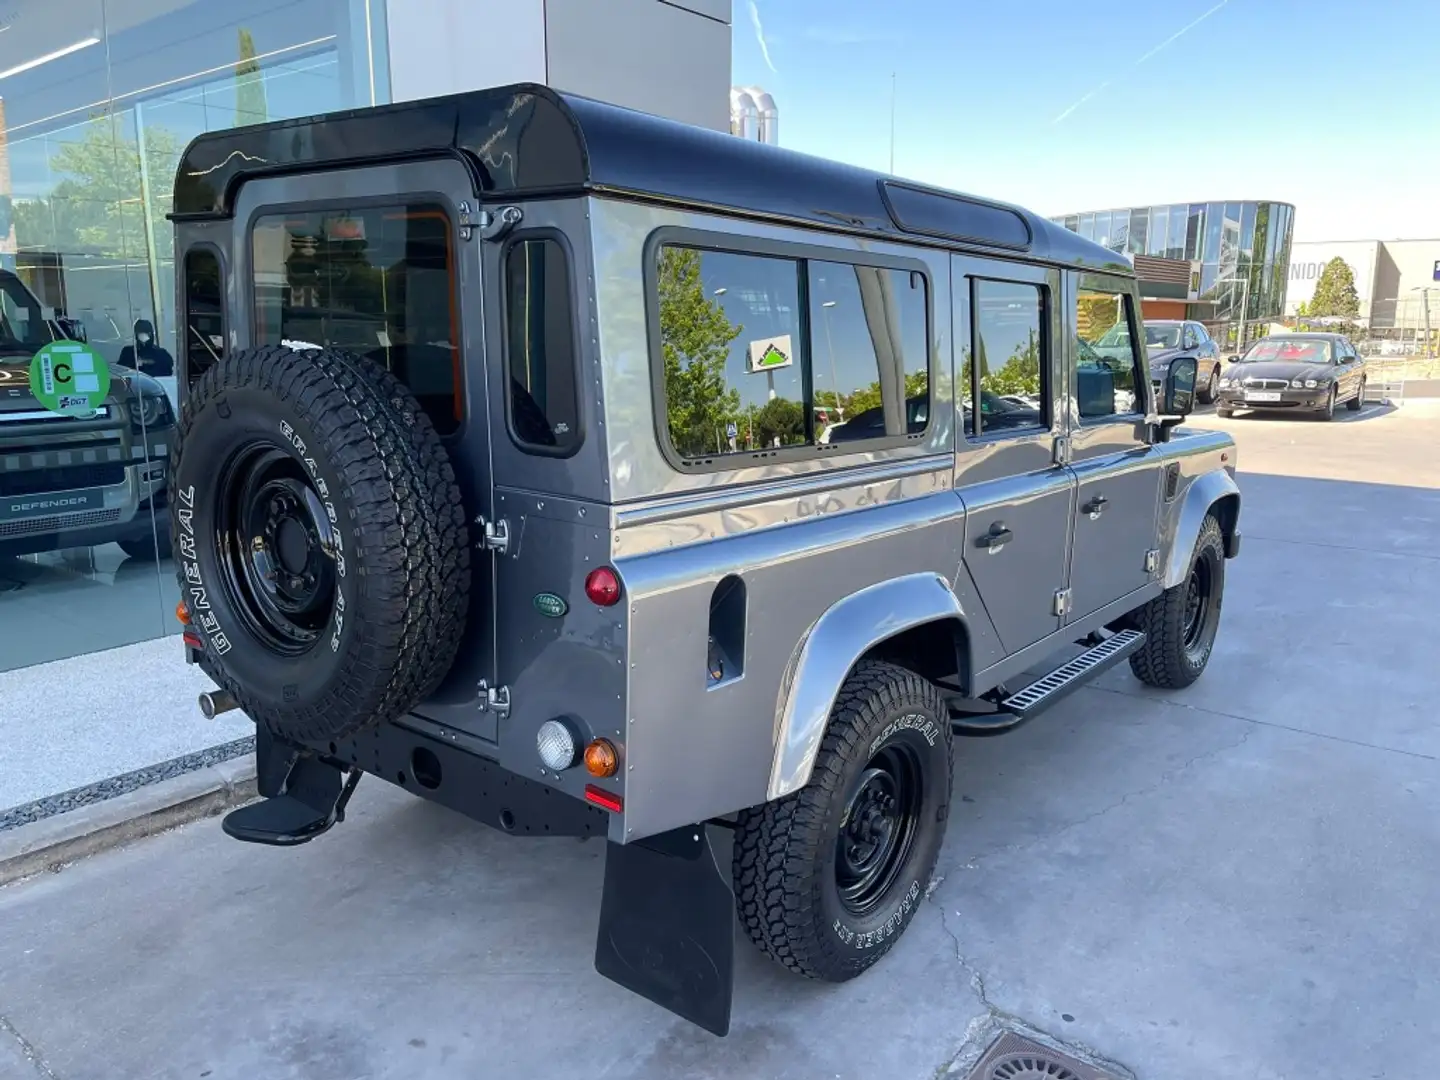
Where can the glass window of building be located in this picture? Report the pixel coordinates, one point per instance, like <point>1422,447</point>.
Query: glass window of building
<point>1175,239</point>
<point>1087,226</point>
<point>1139,231</point>
<point>99,99</point>
<point>1195,232</point>
<point>1247,230</point>
<point>1214,232</point>
<point>1155,235</point>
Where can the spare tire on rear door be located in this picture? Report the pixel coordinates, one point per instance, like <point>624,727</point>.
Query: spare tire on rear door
<point>321,541</point>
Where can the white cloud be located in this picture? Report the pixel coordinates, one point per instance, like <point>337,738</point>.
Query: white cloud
<point>760,35</point>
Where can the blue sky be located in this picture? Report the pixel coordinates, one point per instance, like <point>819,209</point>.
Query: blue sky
<point>1332,105</point>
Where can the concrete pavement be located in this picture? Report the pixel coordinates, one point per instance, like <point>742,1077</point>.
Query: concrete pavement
<point>1230,881</point>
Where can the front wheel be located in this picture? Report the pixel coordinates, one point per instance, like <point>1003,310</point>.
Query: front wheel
<point>1181,623</point>
<point>828,878</point>
<point>1327,413</point>
<point>1357,403</point>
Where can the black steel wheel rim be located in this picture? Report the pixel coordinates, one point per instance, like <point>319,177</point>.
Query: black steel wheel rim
<point>277,547</point>
<point>879,828</point>
<point>1199,595</point>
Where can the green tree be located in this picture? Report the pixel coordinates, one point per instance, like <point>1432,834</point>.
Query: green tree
<point>1020,374</point>
<point>95,207</point>
<point>695,341</point>
<point>1335,291</point>
<point>779,418</point>
<point>250,105</point>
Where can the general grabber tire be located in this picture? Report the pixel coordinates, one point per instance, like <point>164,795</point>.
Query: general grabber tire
<point>320,538</point>
<point>1180,624</point>
<point>828,878</point>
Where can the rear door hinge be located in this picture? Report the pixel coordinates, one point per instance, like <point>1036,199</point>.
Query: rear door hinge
<point>1062,451</point>
<point>1062,601</point>
<point>1152,560</point>
<point>495,536</point>
<point>494,699</point>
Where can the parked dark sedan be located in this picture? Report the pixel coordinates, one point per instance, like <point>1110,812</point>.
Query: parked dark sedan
<point>1308,372</point>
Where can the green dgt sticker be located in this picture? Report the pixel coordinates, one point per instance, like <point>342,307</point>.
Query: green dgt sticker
<point>69,377</point>
<point>550,605</point>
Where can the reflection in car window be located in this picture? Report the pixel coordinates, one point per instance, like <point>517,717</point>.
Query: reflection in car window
<point>1291,351</point>
<point>1010,354</point>
<point>765,353</point>
<point>1106,381</point>
<point>379,281</point>
<point>204,311</point>
<point>1162,337</point>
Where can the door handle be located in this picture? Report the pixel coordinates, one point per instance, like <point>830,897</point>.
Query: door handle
<point>1095,507</point>
<point>996,538</point>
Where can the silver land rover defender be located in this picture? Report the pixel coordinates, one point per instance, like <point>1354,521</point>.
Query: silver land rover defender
<point>592,474</point>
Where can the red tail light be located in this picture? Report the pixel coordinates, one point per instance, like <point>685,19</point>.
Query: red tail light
<point>602,586</point>
<point>606,800</point>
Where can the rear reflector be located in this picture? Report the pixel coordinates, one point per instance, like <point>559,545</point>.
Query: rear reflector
<point>606,800</point>
<point>192,640</point>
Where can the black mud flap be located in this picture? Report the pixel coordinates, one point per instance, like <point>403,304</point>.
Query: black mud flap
<point>302,797</point>
<point>667,926</point>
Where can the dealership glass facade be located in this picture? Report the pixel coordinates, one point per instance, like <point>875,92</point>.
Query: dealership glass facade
<point>97,100</point>
<point>1239,251</point>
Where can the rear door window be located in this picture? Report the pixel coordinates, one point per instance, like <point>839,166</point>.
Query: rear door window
<point>373,280</point>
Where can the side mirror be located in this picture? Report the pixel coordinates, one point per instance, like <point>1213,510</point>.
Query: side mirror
<point>1178,395</point>
<point>73,329</point>
<point>1231,359</point>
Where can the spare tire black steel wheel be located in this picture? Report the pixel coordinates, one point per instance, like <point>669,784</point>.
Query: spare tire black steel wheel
<point>321,540</point>
<point>828,878</point>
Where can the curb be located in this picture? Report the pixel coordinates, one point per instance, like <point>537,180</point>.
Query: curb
<point>52,842</point>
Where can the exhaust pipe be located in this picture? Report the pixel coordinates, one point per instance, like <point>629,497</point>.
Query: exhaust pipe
<point>215,702</point>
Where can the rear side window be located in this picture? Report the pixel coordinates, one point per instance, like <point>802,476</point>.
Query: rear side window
<point>540,347</point>
<point>374,280</point>
<point>204,331</point>
<point>763,354</point>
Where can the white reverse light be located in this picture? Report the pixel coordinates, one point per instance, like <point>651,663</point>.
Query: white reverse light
<point>556,744</point>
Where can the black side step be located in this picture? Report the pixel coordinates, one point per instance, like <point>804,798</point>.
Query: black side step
<point>1015,709</point>
<point>314,798</point>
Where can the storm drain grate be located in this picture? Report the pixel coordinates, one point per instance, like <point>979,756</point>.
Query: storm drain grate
<point>1014,1057</point>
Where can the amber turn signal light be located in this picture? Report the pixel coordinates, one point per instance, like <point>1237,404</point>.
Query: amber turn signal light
<point>601,758</point>
<point>182,613</point>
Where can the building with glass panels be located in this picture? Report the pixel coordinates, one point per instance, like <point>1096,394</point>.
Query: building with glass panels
<point>1217,262</point>
<point>98,99</point>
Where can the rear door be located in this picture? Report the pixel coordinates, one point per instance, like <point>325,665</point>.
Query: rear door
<point>1117,471</point>
<point>374,261</point>
<point>1018,500</point>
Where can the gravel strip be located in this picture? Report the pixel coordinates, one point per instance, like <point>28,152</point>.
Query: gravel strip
<point>122,784</point>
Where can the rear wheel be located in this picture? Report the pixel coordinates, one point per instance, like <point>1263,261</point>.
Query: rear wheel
<point>827,879</point>
<point>1181,623</point>
<point>1206,396</point>
<point>321,542</point>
